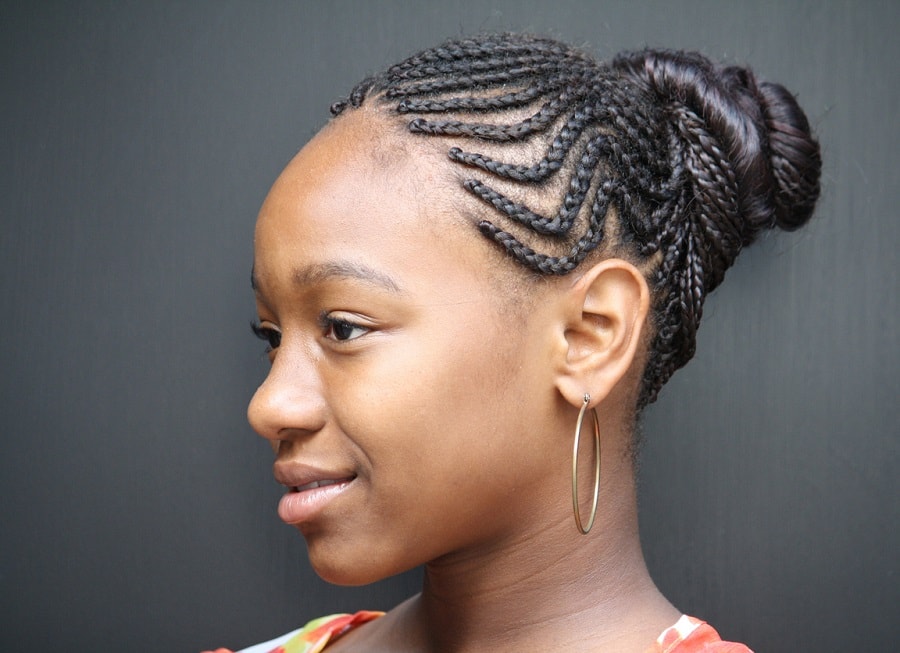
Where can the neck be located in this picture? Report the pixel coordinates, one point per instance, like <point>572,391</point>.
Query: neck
<point>551,586</point>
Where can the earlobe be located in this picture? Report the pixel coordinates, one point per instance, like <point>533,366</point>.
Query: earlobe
<point>607,312</point>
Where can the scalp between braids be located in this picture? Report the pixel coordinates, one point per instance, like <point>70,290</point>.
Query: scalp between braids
<point>692,159</point>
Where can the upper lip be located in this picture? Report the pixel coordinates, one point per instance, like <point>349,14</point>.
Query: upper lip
<point>299,475</point>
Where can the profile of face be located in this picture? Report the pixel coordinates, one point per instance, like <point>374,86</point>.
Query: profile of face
<point>409,399</point>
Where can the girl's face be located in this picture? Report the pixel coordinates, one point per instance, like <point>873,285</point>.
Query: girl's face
<point>404,383</point>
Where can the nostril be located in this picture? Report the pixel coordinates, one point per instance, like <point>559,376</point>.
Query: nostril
<point>286,406</point>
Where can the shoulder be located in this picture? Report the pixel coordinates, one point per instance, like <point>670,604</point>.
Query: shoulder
<point>691,635</point>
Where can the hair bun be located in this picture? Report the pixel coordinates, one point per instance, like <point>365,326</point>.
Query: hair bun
<point>756,133</point>
<point>793,155</point>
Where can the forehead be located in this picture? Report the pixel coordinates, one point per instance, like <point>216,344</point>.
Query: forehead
<point>359,147</point>
<point>364,191</point>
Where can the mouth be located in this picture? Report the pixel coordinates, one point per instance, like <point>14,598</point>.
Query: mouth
<point>309,492</point>
<point>298,476</point>
<point>323,483</point>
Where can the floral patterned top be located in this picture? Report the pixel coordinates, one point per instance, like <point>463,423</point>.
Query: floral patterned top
<point>687,635</point>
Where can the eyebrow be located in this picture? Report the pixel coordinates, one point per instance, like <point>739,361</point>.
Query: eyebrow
<point>319,272</point>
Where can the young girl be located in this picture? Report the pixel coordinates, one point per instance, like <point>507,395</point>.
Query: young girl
<point>471,282</point>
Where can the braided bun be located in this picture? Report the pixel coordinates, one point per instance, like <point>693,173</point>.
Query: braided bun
<point>691,159</point>
<point>764,132</point>
<point>793,155</point>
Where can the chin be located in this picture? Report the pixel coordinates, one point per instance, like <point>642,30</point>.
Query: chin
<point>348,569</point>
<point>347,575</point>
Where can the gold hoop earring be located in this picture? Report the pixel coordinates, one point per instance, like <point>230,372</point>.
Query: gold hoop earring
<point>580,524</point>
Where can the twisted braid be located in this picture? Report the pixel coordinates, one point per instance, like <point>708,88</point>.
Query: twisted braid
<point>693,160</point>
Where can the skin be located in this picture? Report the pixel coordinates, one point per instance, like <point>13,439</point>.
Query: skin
<point>403,365</point>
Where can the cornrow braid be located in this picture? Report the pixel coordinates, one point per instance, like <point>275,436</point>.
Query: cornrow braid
<point>473,104</point>
<point>693,160</point>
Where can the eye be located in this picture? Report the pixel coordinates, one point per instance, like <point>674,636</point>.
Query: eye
<point>341,329</point>
<point>270,335</point>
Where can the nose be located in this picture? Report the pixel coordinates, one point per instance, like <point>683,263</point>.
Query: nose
<point>289,403</point>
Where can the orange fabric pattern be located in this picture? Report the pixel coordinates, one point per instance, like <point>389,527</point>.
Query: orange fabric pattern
<point>690,635</point>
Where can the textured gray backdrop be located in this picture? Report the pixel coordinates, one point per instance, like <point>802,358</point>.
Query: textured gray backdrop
<point>138,140</point>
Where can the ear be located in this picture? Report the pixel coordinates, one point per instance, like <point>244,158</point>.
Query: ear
<point>606,310</point>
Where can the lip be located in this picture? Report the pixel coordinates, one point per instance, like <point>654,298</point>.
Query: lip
<point>310,490</point>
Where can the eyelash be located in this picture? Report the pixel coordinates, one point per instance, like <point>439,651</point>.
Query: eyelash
<point>267,334</point>
<point>330,326</point>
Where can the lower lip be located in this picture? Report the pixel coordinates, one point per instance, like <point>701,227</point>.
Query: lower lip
<point>299,507</point>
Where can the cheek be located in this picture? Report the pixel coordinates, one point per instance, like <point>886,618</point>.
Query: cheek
<point>443,408</point>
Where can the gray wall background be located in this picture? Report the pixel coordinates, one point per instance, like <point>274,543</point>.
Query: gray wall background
<point>137,509</point>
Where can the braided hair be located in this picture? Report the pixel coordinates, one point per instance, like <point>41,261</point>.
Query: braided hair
<point>687,161</point>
